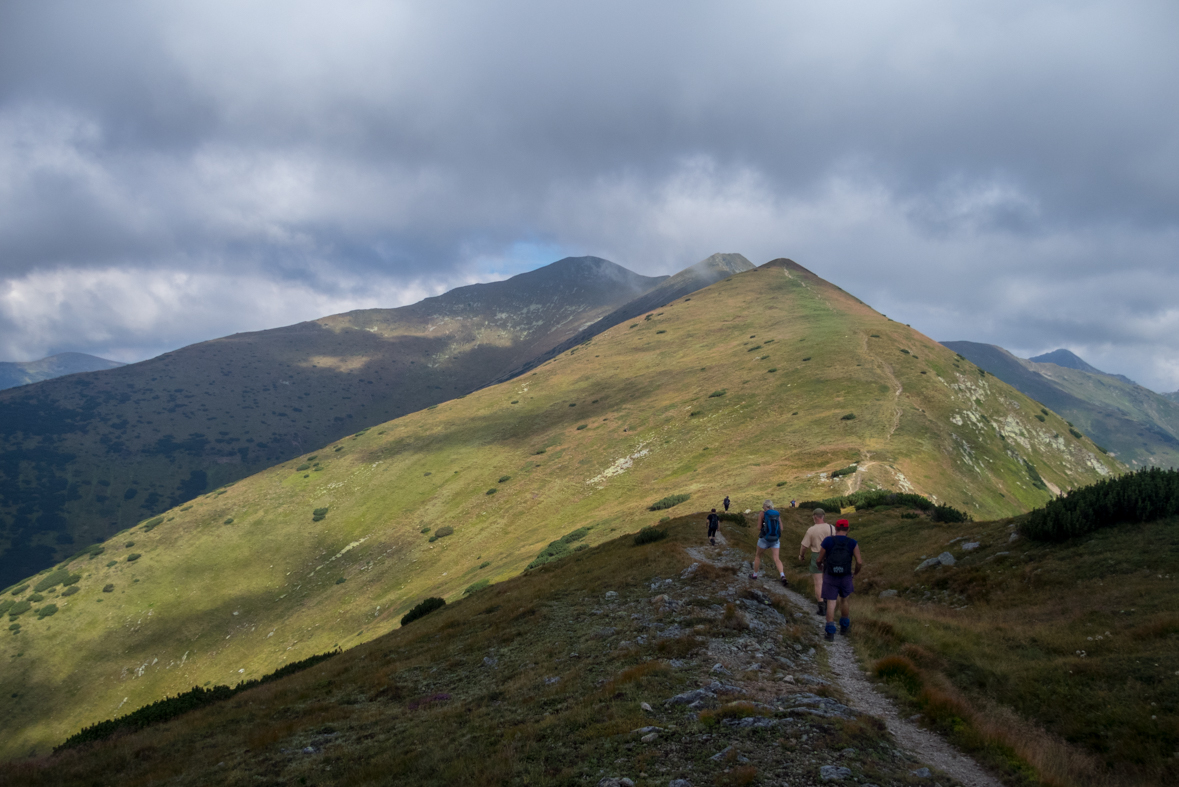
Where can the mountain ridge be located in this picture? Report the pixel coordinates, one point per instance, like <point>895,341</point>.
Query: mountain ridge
<point>770,383</point>
<point>17,373</point>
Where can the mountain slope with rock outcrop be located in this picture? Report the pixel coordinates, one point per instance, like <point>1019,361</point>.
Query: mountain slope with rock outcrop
<point>772,383</point>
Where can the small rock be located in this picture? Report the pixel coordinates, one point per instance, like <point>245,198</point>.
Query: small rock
<point>946,559</point>
<point>675,663</point>
<point>788,678</point>
<point>650,737</point>
<point>689,697</point>
<point>922,773</point>
<point>602,633</point>
<point>611,594</point>
<point>660,599</point>
<point>646,707</point>
<point>754,667</point>
<point>689,571</point>
<point>718,667</point>
<point>488,661</point>
<point>720,755</point>
<point>551,681</point>
<point>848,752</point>
<point>834,773</point>
<point>969,545</point>
<point>888,594</point>
<point>1012,538</point>
<point>914,718</point>
<point>309,750</point>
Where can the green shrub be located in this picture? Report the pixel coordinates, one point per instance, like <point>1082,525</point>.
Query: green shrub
<point>341,581</point>
<point>874,335</point>
<point>318,514</point>
<point>1040,418</point>
<point>1034,475</point>
<point>133,557</point>
<point>14,627</point>
<point>303,467</point>
<point>870,498</point>
<point>900,671</point>
<point>36,597</point>
<point>186,508</point>
<point>667,502</point>
<point>807,358</point>
<point>46,611</point>
<point>19,608</point>
<point>69,591</point>
<point>422,609</point>
<point>425,530</point>
<point>1044,410</point>
<point>772,370</point>
<point>694,413</point>
<point>171,707</point>
<point>108,588</point>
<point>582,426</point>
<point>573,404</point>
<point>906,352</point>
<point>491,491</point>
<point>538,453</point>
<point>504,479</point>
<point>5,605</point>
<point>848,417</point>
<point>1141,496</point>
<point>1076,434</point>
<point>648,535</point>
<point>112,563</point>
<point>559,548</point>
<point>485,564</point>
<point>663,519</point>
<point>944,513</point>
<point>444,531</point>
<point>736,517</point>
<point>152,524</point>
<point>782,483</point>
<point>755,347</point>
<point>659,332</point>
<point>16,591</point>
<point>52,579</point>
<point>228,521</point>
<point>910,515</point>
<point>844,471</point>
<point>716,394</point>
<point>475,587</point>
<point>128,545</point>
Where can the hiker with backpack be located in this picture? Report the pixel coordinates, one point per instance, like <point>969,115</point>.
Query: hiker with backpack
<point>769,534</point>
<point>812,542</point>
<point>713,524</point>
<point>836,557</point>
<point>726,504</point>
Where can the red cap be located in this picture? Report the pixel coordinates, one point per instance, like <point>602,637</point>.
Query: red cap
<point>842,523</point>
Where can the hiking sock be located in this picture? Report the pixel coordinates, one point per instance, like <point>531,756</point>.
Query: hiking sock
<point>830,632</point>
<point>844,625</point>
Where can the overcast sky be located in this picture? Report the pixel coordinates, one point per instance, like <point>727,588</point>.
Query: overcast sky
<point>1003,172</point>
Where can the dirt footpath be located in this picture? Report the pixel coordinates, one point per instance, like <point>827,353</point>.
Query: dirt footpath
<point>923,745</point>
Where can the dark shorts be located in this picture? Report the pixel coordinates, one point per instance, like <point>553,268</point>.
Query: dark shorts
<point>711,530</point>
<point>837,587</point>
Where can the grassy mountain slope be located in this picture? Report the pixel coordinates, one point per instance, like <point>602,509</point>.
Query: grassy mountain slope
<point>1078,639</point>
<point>1138,425</point>
<point>540,680</point>
<point>22,373</point>
<point>86,456</point>
<point>748,390</point>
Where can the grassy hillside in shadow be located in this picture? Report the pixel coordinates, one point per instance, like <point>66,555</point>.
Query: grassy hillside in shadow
<point>86,456</point>
<point>1065,656</point>
<point>763,385</point>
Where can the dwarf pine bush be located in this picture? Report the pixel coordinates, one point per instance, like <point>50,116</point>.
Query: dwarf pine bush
<point>844,471</point>
<point>1141,496</point>
<point>667,502</point>
<point>422,609</point>
<point>649,535</point>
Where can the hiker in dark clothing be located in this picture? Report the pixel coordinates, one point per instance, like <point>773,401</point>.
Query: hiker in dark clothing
<point>726,504</point>
<point>836,556</point>
<point>713,524</point>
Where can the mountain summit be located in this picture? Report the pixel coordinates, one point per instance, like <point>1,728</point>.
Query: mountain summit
<point>24,373</point>
<point>1070,360</point>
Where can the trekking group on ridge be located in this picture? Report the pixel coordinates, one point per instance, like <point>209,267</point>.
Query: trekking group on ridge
<point>834,559</point>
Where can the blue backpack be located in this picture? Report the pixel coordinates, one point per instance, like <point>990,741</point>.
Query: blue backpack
<point>771,526</point>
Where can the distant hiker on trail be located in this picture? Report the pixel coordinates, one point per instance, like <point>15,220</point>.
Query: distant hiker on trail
<point>794,504</point>
<point>813,542</point>
<point>769,533</point>
<point>726,504</point>
<point>836,557</point>
<point>713,524</point>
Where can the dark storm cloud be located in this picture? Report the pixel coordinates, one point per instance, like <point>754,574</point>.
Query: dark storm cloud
<point>1009,170</point>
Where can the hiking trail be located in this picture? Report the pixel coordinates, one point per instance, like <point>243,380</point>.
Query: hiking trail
<point>921,744</point>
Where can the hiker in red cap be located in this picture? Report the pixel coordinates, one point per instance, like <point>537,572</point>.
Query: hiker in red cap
<point>836,557</point>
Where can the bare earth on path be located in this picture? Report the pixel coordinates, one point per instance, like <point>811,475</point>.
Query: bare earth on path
<point>923,745</point>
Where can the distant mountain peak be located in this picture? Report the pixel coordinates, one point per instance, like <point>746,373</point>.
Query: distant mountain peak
<point>1070,360</point>
<point>14,374</point>
<point>724,263</point>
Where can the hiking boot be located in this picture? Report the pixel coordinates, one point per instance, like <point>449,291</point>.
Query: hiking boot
<point>830,636</point>
<point>844,625</point>
<point>785,582</point>
<point>822,610</point>
<point>753,576</point>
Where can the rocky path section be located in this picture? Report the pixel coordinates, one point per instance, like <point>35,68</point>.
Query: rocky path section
<point>924,746</point>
